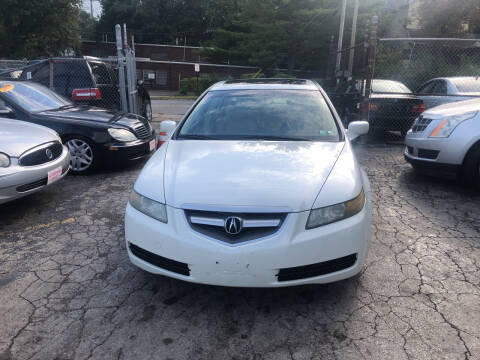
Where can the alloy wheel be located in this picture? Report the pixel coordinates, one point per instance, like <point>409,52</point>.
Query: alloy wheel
<point>148,111</point>
<point>81,154</point>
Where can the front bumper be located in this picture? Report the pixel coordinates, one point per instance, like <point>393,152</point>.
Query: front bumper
<point>21,181</point>
<point>252,264</point>
<point>435,156</point>
<point>124,152</point>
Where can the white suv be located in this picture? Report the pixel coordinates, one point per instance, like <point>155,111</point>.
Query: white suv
<point>445,140</point>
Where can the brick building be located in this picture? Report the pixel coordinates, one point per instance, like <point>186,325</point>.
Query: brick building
<point>162,66</point>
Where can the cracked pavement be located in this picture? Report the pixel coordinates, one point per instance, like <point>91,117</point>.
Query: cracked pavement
<point>68,291</point>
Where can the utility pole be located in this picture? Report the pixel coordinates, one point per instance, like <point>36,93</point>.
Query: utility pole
<point>352,41</point>
<point>340,36</point>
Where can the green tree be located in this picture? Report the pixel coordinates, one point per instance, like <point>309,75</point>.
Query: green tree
<point>449,18</point>
<point>272,33</point>
<point>86,26</point>
<point>36,28</point>
<point>166,21</point>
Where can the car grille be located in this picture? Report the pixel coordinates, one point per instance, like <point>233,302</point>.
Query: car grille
<point>428,154</point>
<point>31,186</point>
<point>159,261</point>
<point>38,183</point>
<point>253,225</point>
<point>142,130</point>
<point>323,268</point>
<point>41,154</point>
<point>421,124</point>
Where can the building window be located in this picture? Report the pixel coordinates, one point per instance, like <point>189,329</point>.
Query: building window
<point>162,56</point>
<point>162,78</point>
<point>149,77</point>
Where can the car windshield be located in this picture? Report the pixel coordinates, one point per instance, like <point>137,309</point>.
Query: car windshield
<point>263,115</point>
<point>385,86</point>
<point>467,85</point>
<point>32,97</point>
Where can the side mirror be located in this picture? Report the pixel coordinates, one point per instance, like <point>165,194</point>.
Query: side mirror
<point>166,129</point>
<point>357,128</point>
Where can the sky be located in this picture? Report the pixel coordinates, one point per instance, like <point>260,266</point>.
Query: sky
<point>97,9</point>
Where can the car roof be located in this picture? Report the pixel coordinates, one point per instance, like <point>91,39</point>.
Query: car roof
<point>453,78</point>
<point>265,84</point>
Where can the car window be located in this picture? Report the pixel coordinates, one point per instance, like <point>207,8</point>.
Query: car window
<point>100,73</point>
<point>467,85</point>
<point>32,97</point>
<point>387,86</point>
<point>240,114</point>
<point>440,87</point>
<point>427,88</point>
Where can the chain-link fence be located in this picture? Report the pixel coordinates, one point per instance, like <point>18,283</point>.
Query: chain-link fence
<point>83,80</point>
<point>109,82</point>
<point>412,75</point>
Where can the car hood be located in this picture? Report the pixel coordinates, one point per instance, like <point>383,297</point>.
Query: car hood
<point>452,109</point>
<point>16,136</point>
<point>248,175</point>
<point>94,114</point>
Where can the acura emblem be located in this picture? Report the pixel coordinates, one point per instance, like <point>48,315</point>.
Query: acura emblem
<point>233,225</point>
<point>49,153</point>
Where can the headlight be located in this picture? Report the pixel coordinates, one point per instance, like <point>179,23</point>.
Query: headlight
<point>149,207</point>
<point>330,214</point>
<point>122,134</point>
<point>4,160</point>
<point>447,125</point>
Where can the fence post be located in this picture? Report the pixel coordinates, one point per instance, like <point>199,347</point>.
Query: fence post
<point>121,73</point>
<point>50,81</point>
<point>370,66</point>
<point>366,45</point>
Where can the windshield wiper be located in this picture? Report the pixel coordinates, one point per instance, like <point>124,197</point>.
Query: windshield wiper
<point>274,138</point>
<point>64,107</point>
<point>194,137</point>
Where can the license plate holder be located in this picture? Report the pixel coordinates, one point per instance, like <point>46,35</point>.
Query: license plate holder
<point>151,144</point>
<point>54,175</point>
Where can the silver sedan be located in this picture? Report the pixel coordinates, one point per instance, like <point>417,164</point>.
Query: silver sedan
<point>446,140</point>
<point>31,158</point>
<point>447,90</point>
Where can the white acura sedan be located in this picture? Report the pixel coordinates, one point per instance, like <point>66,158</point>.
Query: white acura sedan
<point>257,187</point>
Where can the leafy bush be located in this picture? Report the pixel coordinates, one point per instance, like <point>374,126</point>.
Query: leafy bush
<point>283,76</point>
<point>199,85</point>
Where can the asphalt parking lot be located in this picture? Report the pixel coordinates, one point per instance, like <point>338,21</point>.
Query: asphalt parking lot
<point>170,109</point>
<point>68,291</point>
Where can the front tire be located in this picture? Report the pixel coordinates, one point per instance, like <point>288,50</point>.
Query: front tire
<point>83,155</point>
<point>472,167</point>
<point>147,110</point>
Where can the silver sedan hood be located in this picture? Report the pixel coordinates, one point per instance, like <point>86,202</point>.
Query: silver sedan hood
<point>17,136</point>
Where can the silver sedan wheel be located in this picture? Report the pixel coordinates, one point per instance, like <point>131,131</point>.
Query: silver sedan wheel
<point>81,155</point>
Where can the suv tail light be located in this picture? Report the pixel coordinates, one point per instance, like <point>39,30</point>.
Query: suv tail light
<point>419,108</point>
<point>87,94</point>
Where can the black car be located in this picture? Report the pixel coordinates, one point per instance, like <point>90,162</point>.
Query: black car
<point>85,80</point>
<point>392,105</point>
<point>93,135</point>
